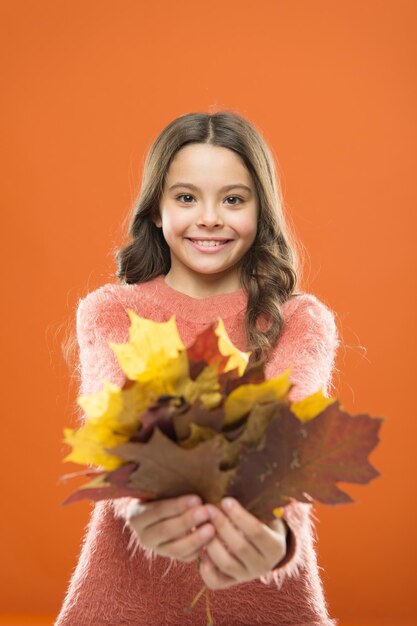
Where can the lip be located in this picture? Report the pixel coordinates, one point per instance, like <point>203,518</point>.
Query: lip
<point>208,238</point>
<point>209,249</point>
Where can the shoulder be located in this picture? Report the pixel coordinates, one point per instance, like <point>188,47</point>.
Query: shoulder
<point>306,308</point>
<point>103,307</point>
<point>309,321</point>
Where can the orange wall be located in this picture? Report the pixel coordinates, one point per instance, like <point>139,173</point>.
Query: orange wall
<point>87,86</point>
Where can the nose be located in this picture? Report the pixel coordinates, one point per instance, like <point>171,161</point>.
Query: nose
<point>209,216</point>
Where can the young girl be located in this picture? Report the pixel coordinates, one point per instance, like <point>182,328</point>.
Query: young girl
<point>209,240</point>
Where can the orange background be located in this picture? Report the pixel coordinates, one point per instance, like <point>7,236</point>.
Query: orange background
<point>87,85</point>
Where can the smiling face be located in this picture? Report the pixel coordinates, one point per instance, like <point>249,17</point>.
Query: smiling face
<point>209,196</point>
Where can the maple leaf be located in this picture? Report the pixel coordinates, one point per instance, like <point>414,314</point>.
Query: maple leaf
<point>230,380</point>
<point>112,414</point>
<point>199,415</point>
<point>169,470</point>
<point>197,435</point>
<point>205,386</point>
<point>151,347</point>
<point>91,444</point>
<point>237,359</point>
<point>304,461</point>
<point>160,414</point>
<point>311,406</point>
<point>205,351</point>
<point>109,485</point>
<point>242,399</point>
<point>250,435</point>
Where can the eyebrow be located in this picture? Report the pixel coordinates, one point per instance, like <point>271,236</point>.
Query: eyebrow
<point>226,188</point>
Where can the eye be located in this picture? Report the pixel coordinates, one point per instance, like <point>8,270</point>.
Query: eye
<point>183,195</point>
<point>236,198</point>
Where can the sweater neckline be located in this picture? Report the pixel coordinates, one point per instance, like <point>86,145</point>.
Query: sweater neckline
<point>201,310</point>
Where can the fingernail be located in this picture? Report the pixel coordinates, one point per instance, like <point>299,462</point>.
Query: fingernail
<point>228,503</point>
<point>212,511</point>
<point>200,515</point>
<point>206,532</point>
<point>193,501</point>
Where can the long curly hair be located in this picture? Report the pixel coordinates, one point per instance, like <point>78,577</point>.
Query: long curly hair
<point>269,271</point>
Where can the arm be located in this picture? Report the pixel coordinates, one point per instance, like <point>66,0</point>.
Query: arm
<point>102,318</point>
<point>308,344</point>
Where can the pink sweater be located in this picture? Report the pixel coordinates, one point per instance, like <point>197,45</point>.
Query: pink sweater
<point>117,582</point>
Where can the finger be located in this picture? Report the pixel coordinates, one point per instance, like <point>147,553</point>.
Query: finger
<point>187,549</point>
<point>260,535</point>
<point>226,562</point>
<point>237,543</point>
<point>151,512</point>
<point>173,528</point>
<point>212,577</point>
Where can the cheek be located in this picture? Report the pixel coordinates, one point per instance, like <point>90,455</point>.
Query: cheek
<point>245,225</point>
<point>174,222</point>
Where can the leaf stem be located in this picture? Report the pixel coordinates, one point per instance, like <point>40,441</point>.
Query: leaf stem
<point>195,600</point>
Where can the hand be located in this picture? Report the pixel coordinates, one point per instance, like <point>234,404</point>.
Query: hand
<point>243,549</point>
<point>171,527</point>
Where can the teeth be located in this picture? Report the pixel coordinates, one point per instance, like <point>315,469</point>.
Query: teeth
<point>208,244</point>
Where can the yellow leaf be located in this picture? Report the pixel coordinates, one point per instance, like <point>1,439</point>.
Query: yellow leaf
<point>243,398</point>
<point>116,408</point>
<point>205,386</point>
<point>311,406</point>
<point>237,358</point>
<point>151,346</point>
<point>88,443</point>
<point>105,402</point>
<point>197,434</point>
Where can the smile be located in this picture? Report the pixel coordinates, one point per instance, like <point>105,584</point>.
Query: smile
<point>208,245</point>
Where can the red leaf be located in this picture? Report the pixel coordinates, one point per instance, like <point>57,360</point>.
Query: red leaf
<point>205,348</point>
<point>305,460</point>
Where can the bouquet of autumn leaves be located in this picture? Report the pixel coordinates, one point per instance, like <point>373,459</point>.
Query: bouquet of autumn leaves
<point>201,420</point>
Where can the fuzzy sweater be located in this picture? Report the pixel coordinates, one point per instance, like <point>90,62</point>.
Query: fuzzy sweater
<point>117,582</point>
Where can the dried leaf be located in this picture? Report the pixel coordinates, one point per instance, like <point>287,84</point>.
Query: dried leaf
<point>108,486</point>
<point>305,460</point>
<point>199,415</point>
<point>311,406</point>
<point>151,347</point>
<point>243,398</point>
<point>252,433</point>
<point>169,470</point>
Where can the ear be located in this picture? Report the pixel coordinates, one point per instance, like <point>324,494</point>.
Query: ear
<point>157,221</point>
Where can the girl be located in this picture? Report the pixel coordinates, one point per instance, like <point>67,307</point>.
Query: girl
<point>209,240</point>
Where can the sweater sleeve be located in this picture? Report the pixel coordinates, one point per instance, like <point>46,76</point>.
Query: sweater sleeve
<point>100,319</point>
<point>308,344</point>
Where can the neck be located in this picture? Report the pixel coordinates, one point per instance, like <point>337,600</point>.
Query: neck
<point>199,285</point>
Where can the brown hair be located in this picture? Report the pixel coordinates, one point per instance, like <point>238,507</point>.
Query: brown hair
<point>269,270</point>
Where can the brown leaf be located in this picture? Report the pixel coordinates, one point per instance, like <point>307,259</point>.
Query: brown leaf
<point>160,414</point>
<point>304,461</point>
<point>169,470</point>
<point>252,376</point>
<point>199,415</point>
<point>251,433</point>
<point>109,485</point>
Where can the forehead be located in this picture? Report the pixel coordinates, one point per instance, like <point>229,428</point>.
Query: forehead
<point>202,163</point>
